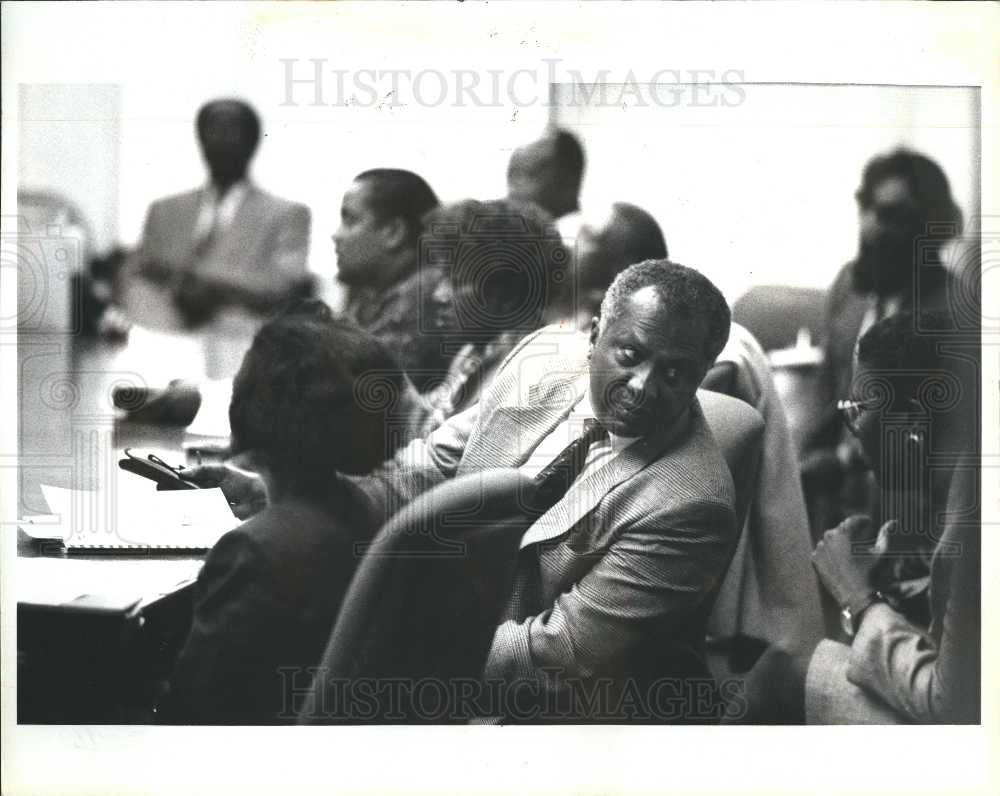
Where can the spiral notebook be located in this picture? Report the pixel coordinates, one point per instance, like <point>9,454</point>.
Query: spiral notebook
<point>133,519</point>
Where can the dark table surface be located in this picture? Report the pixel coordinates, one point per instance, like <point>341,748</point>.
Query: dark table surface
<point>76,663</point>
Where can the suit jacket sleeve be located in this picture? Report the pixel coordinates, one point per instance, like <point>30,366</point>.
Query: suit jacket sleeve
<point>922,679</point>
<point>654,576</point>
<point>139,256</point>
<point>290,253</point>
<point>226,671</point>
<point>421,465</point>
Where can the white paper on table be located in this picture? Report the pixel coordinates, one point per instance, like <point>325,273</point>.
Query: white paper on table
<point>56,581</point>
<point>161,356</point>
<point>212,419</point>
<point>189,518</point>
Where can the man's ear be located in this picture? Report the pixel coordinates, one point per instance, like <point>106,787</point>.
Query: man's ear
<point>394,232</point>
<point>595,324</point>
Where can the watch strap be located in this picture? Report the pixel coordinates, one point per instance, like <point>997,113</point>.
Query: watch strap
<point>858,607</point>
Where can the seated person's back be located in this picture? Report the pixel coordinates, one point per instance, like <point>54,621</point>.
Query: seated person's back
<point>269,592</point>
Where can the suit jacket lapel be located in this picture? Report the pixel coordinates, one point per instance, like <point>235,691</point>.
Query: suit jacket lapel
<point>584,495</point>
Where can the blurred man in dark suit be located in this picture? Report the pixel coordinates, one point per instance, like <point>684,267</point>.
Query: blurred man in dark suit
<point>222,256</point>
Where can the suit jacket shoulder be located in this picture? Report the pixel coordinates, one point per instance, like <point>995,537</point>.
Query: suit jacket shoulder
<point>276,205</point>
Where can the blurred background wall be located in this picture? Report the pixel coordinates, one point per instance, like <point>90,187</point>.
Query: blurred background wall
<point>760,191</point>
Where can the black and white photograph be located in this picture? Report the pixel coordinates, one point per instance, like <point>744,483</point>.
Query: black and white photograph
<point>449,397</point>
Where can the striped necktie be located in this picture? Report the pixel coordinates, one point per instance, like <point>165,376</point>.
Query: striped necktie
<point>555,480</point>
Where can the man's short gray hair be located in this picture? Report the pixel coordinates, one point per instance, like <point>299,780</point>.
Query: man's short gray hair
<point>684,291</point>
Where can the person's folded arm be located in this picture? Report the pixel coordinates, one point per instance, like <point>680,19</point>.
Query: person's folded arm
<point>284,272</point>
<point>655,574</point>
<point>926,681</point>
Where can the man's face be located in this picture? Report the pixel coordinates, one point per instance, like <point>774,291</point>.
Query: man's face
<point>889,225</point>
<point>461,312</point>
<point>359,241</point>
<point>226,143</point>
<point>645,365</point>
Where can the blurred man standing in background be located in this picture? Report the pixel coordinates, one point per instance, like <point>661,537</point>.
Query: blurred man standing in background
<point>220,257</point>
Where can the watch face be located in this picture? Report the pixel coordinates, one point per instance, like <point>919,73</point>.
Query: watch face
<point>847,622</point>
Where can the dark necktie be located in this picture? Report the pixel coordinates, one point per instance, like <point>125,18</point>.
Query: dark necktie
<point>554,481</point>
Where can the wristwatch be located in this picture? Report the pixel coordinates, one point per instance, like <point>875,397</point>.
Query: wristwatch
<point>850,615</point>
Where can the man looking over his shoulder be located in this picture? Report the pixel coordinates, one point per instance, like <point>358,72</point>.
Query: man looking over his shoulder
<point>619,572</point>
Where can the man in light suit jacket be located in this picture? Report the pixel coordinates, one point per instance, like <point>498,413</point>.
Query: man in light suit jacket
<point>607,615</point>
<point>220,257</point>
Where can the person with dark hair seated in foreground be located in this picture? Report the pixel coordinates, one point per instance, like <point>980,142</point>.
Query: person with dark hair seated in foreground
<point>308,408</point>
<point>913,406</point>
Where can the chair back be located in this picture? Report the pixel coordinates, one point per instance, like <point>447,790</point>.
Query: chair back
<point>738,429</point>
<point>774,314</point>
<point>424,603</point>
<point>422,608</point>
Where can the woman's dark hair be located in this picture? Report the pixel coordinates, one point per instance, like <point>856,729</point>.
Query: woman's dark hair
<point>926,180</point>
<point>312,396</point>
<point>504,258</point>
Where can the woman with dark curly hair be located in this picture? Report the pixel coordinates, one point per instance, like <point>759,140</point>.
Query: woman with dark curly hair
<point>315,401</point>
<point>502,270</point>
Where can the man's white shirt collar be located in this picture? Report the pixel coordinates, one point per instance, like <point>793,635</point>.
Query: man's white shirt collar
<point>219,213</point>
<point>569,430</point>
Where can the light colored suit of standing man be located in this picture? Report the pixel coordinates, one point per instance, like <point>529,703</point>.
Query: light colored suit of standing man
<point>220,257</point>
